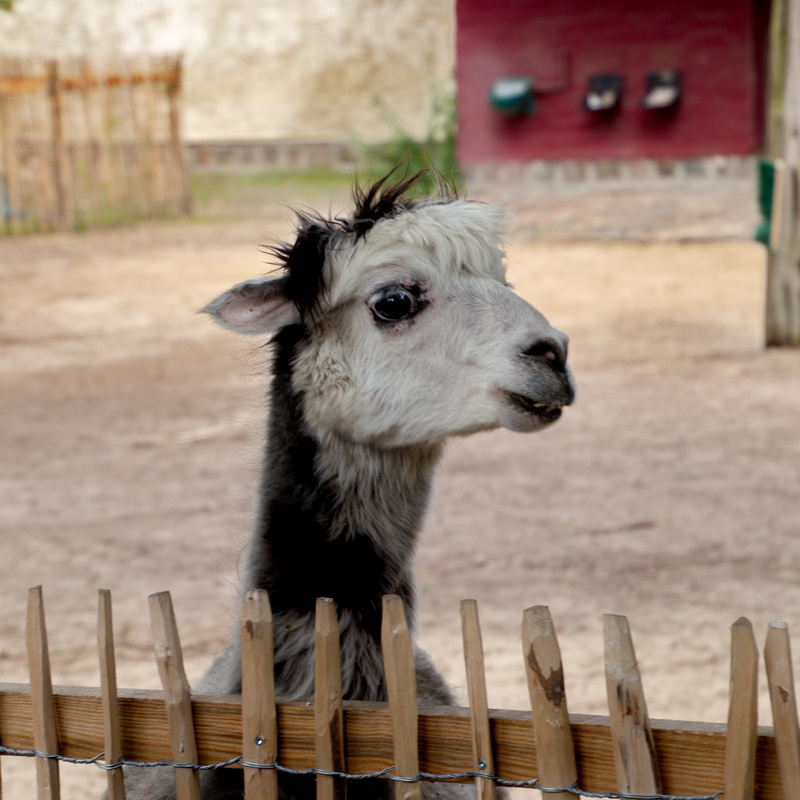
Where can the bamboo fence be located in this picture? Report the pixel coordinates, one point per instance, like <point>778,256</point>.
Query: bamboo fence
<point>84,145</point>
<point>623,755</point>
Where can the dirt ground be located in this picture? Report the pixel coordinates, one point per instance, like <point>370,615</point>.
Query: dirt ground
<point>131,428</point>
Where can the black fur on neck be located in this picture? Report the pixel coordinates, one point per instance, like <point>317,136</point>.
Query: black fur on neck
<point>301,561</point>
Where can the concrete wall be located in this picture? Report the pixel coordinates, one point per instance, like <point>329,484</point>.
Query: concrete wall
<point>265,69</point>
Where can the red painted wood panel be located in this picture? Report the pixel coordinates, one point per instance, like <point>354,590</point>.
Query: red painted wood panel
<point>713,42</point>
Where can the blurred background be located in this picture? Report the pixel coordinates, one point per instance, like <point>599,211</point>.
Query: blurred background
<point>519,99</point>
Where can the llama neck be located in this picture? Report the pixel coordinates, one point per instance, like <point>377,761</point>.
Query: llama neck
<point>336,519</point>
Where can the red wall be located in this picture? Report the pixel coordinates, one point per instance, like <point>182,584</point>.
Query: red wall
<point>713,42</point>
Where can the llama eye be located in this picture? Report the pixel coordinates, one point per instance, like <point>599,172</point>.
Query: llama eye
<point>394,306</point>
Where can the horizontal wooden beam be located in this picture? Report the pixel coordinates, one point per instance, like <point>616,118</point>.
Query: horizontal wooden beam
<point>19,85</point>
<point>22,84</point>
<point>691,756</point>
<point>123,79</point>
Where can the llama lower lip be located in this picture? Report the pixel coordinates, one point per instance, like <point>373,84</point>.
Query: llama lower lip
<point>531,406</point>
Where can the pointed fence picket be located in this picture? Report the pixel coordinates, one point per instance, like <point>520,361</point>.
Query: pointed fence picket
<point>43,716</point>
<point>740,754</point>
<point>624,754</point>
<point>631,734</point>
<point>555,750</point>
<point>259,716</point>
<point>401,689</point>
<point>778,657</point>
<point>177,696</point>
<point>112,730</point>
<point>483,758</point>
<point>329,711</point>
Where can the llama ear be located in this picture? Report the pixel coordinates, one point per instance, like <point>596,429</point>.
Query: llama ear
<point>256,306</point>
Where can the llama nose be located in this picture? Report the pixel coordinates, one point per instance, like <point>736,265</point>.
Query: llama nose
<point>551,349</point>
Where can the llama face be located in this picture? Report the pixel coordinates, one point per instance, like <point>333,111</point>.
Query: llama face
<point>416,335</point>
<point>425,340</point>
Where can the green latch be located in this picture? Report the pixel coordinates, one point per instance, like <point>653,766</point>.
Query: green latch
<point>766,186</point>
<point>513,96</point>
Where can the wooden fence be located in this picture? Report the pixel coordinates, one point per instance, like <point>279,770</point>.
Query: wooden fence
<point>83,145</point>
<point>622,753</point>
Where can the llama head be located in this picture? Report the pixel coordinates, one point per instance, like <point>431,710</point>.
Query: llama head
<point>411,333</point>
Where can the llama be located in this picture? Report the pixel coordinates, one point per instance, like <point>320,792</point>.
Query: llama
<point>392,330</point>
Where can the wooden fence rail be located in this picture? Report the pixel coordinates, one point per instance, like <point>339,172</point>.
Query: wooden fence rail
<point>84,145</point>
<point>625,752</point>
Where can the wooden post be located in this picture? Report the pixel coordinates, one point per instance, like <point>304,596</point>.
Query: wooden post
<point>36,103</point>
<point>485,789</point>
<point>134,166</point>
<point>34,158</point>
<point>632,738</point>
<point>740,752</point>
<point>783,261</point>
<point>779,186</point>
<point>328,710</point>
<point>147,73</point>
<point>108,688</point>
<point>555,752</point>
<point>176,144</point>
<point>177,697</point>
<point>10,191</point>
<point>401,688</point>
<point>64,219</point>
<point>111,193</point>
<point>778,658</point>
<point>7,195</point>
<point>88,92</point>
<point>45,732</point>
<point>259,716</point>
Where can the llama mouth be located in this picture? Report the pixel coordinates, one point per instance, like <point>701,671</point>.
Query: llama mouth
<point>544,411</point>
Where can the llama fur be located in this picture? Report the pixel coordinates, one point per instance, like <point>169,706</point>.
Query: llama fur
<point>391,330</point>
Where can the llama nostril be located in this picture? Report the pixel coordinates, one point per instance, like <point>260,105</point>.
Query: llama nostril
<point>549,350</point>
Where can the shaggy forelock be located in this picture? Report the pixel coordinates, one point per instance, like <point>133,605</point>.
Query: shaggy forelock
<point>316,236</point>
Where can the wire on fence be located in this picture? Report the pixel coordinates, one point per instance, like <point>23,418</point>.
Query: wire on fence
<point>533,783</point>
<point>724,769</point>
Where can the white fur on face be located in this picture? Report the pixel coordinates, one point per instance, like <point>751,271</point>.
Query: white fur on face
<point>448,369</point>
<point>449,238</point>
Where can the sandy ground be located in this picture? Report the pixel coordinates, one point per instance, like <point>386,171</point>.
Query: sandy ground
<point>131,429</point>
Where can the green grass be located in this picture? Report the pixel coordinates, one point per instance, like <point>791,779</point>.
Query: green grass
<point>236,187</point>
<point>223,197</point>
<point>227,196</point>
